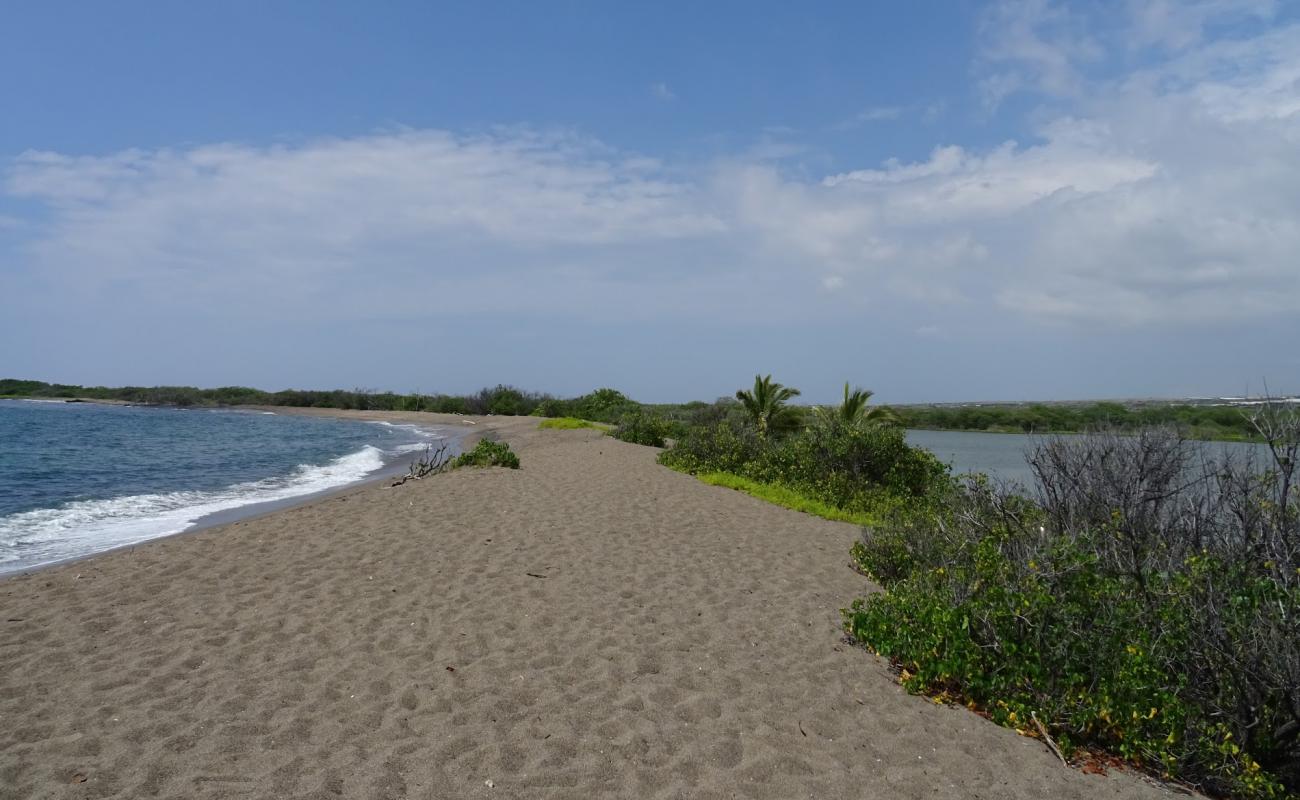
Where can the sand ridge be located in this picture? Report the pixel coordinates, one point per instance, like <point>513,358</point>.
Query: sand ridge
<point>592,625</point>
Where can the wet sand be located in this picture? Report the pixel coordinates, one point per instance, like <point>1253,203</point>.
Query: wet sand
<point>592,625</point>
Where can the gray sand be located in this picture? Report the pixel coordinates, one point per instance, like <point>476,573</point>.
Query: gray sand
<point>593,625</point>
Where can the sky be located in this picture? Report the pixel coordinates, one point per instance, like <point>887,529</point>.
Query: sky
<point>939,201</point>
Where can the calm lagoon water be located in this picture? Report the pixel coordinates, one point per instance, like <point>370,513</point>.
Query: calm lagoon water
<point>1003,455</point>
<point>80,478</point>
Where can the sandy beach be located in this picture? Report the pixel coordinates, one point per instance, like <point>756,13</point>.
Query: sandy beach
<point>591,625</point>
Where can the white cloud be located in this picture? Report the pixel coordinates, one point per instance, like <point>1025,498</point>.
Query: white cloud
<point>1168,194</point>
<point>1178,24</point>
<point>1034,45</point>
<point>661,91</point>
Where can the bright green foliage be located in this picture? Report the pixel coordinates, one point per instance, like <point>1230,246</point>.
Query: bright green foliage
<point>643,427</point>
<point>568,424</point>
<point>845,464</point>
<point>488,453</point>
<point>784,497</point>
<point>766,405</point>
<point>605,405</point>
<point>721,445</point>
<point>856,469</point>
<point>855,411</point>
<point>986,602</point>
<point>602,405</point>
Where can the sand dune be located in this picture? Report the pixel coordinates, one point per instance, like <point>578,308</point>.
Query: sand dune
<point>592,625</point>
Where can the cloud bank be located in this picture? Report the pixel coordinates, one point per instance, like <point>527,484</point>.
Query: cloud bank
<point>1163,194</point>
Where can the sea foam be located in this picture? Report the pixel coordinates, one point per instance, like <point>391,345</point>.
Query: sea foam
<point>42,536</point>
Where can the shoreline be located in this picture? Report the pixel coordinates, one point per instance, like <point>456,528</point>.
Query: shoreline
<point>593,624</point>
<point>344,413</point>
<point>458,435</point>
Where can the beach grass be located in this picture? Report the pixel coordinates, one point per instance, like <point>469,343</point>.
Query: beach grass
<point>571,424</point>
<point>785,497</point>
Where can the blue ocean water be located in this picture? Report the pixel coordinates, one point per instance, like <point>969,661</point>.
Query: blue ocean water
<point>79,478</point>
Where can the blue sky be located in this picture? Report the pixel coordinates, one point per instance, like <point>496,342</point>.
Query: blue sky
<point>940,201</point>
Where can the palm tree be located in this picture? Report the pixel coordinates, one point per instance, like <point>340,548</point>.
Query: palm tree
<point>767,404</point>
<point>854,410</point>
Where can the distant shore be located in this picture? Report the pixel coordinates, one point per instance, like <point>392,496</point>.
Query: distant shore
<point>97,400</point>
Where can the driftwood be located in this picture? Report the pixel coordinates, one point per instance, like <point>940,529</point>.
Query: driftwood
<point>1047,737</point>
<point>431,463</point>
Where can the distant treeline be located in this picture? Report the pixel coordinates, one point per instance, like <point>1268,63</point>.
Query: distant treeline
<point>605,405</point>
<point>608,405</point>
<point>1201,421</point>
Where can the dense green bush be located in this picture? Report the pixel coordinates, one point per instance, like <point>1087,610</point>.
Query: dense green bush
<point>643,427</point>
<point>603,405</point>
<point>488,453</point>
<point>840,462</point>
<point>502,400</point>
<point>552,407</point>
<point>856,467</point>
<point>726,444</point>
<point>1147,602</point>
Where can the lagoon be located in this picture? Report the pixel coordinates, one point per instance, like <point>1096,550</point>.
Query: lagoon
<point>1002,456</point>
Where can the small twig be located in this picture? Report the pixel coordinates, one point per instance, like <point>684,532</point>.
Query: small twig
<point>534,575</point>
<point>1047,737</point>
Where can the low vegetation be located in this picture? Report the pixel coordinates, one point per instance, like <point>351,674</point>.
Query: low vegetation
<point>850,465</point>
<point>487,453</point>
<point>569,424</point>
<point>1200,421</point>
<point>645,427</point>
<point>1145,602</point>
<point>610,406</point>
<point>784,496</point>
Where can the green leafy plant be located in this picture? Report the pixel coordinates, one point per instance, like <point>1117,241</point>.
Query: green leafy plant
<point>569,424</point>
<point>722,444</point>
<point>604,405</point>
<point>642,427</point>
<point>488,453</point>
<point>855,411</point>
<point>551,407</point>
<point>785,497</point>
<point>767,406</point>
<point>1105,612</point>
<point>858,470</point>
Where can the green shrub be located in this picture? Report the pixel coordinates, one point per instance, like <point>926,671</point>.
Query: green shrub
<point>603,405</point>
<point>726,445</point>
<point>568,424</point>
<point>552,407</point>
<point>843,463</point>
<point>641,427</point>
<point>1107,612</point>
<point>857,468</point>
<point>784,496</point>
<point>488,453</point>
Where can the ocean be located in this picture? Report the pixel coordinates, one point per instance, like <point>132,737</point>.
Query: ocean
<point>81,478</point>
